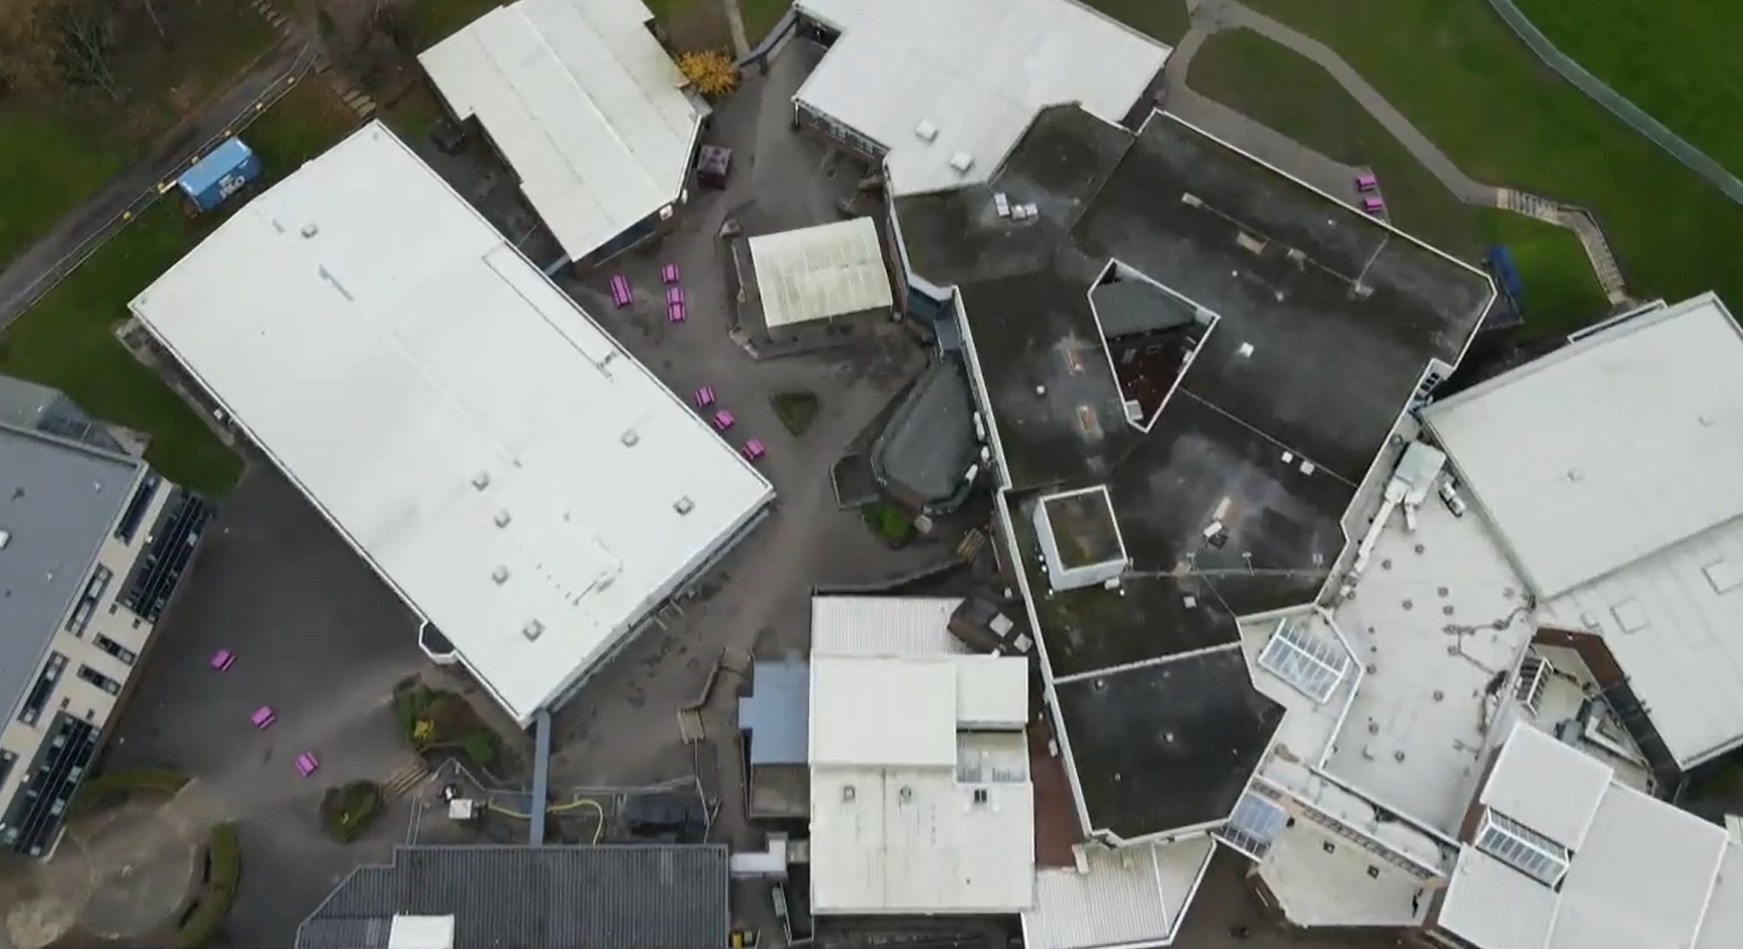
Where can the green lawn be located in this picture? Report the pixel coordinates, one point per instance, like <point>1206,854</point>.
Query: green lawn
<point>56,150</point>
<point>760,16</point>
<point>1294,96</point>
<point>1455,70</point>
<point>67,339</point>
<point>1166,20</point>
<point>1677,59</point>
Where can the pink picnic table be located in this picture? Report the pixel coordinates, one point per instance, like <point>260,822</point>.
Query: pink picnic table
<point>723,420</point>
<point>669,273</point>
<point>675,312</point>
<point>263,716</point>
<point>620,290</point>
<point>704,397</point>
<point>223,659</point>
<point>753,450</point>
<point>307,763</point>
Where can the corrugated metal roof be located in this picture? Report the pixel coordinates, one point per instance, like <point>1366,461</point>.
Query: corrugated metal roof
<point>657,896</point>
<point>584,103</point>
<point>1130,897</point>
<point>820,273</point>
<point>777,713</point>
<point>58,502</point>
<point>1493,906</point>
<point>1610,449</point>
<point>883,626</point>
<point>901,65</point>
<point>1546,785</point>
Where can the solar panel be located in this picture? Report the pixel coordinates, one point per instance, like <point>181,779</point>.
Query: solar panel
<point>1312,665</point>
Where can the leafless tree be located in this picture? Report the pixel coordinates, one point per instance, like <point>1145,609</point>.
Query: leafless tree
<point>84,44</point>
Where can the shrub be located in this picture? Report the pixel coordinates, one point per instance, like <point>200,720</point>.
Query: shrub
<point>480,748</point>
<point>712,72</point>
<point>796,410</point>
<point>889,522</point>
<point>205,918</point>
<point>347,810</point>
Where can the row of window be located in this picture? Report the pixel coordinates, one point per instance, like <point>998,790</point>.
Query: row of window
<point>37,700</point>
<point>87,605</point>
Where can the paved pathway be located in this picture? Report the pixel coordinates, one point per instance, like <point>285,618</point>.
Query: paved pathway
<point>1210,16</point>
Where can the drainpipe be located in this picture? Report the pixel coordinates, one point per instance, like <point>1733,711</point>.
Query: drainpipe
<point>541,793</point>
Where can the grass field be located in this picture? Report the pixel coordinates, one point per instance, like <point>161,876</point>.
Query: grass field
<point>1456,71</point>
<point>67,339</point>
<point>56,151</point>
<point>1292,95</point>
<point>1166,20</point>
<point>1677,59</point>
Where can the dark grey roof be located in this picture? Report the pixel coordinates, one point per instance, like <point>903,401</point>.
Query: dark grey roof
<point>657,896</point>
<point>1130,307</point>
<point>929,442</point>
<point>777,713</point>
<point>1324,321</point>
<point>1083,528</point>
<point>59,501</point>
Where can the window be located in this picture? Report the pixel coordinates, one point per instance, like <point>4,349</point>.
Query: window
<point>135,512</point>
<point>38,697</point>
<point>1254,826</point>
<point>99,680</point>
<point>87,605</point>
<point>1522,848</point>
<point>980,795</point>
<point>1313,666</point>
<point>115,649</point>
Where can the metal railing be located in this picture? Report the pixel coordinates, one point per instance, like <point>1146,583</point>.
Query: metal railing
<point>1618,105</point>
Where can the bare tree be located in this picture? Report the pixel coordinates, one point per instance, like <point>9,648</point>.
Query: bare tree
<point>84,47</point>
<point>151,11</point>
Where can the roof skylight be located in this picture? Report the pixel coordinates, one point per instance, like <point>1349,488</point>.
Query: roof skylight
<point>1312,665</point>
<point>1255,823</point>
<point>1522,848</point>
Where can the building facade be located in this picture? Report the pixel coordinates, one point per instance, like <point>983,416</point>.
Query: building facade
<point>93,544</point>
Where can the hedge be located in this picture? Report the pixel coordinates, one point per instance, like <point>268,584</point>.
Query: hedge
<point>202,922</point>
<point>102,787</point>
<point>347,810</point>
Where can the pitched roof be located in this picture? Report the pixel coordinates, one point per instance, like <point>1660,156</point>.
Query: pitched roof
<point>630,896</point>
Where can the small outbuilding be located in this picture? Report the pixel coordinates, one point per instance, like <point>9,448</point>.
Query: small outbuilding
<point>224,171</point>
<point>818,280</point>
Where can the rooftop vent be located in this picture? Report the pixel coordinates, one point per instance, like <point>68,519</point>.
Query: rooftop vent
<point>907,794</point>
<point>310,230</point>
<point>1191,200</point>
<point>962,162</point>
<point>683,505</point>
<point>500,575</point>
<point>1246,350</point>
<point>926,131</point>
<point>5,538</point>
<point>847,793</point>
<point>1249,243</point>
<point>630,438</point>
<point>533,630</point>
<point>1002,204</point>
<point>481,480</point>
<point>1719,573</point>
<point>503,518</point>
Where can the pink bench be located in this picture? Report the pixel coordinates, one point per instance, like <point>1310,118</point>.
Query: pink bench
<point>675,312</point>
<point>704,397</point>
<point>263,717</point>
<point>307,763</point>
<point>723,420</point>
<point>1373,205</point>
<point>753,450</point>
<point>674,295</point>
<point>620,291</point>
<point>669,273</point>
<point>223,659</point>
<point>1366,182</point>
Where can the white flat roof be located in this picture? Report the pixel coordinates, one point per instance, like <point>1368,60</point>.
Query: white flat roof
<point>1610,449</point>
<point>584,104</point>
<point>1613,472</point>
<point>1643,876</point>
<point>822,272</point>
<point>930,80</point>
<point>391,352</point>
<point>1547,786</point>
<point>854,720</point>
<point>910,814</point>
